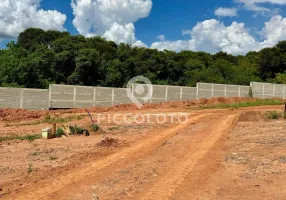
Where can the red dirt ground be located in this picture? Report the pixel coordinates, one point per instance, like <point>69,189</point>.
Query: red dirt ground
<point>216,154</point>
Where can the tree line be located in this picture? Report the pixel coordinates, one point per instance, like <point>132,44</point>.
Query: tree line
<point>40,58</point>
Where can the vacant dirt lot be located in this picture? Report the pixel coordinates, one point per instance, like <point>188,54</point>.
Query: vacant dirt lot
<point>214,154</point>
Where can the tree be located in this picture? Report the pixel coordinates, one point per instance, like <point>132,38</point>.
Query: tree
<point>87,68</point>
<point>30,38</point>
<point>41,57</point>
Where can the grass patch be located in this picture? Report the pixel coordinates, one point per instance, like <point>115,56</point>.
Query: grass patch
<point>53,158</point>
<point>60,132</point>
<point>273,115</point>
<point>94,127</point>
<point>35,153</point>
<point>24,124</point>
<point>24,137</point>
<point>50,120</point>
<point>30,169</point>
<point>283,159</point>
<point>114,128</point>
<point>258,102</point>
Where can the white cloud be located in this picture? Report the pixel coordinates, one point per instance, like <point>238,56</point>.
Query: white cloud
<point>254,4</point>
<point>281,2</point>
<point>18,15</point>
<point>226,12</point>
<point>274,31</point>
<point>112,19</point>
<point>177,46</point>
<point>213,36</point>
<point>139,43</point>
<point>121,33</point>
<point>161,37</point>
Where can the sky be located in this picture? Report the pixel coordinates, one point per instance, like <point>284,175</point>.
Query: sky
<point>233,26</point>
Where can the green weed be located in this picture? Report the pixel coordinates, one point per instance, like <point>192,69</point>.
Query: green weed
<point>258,102</point>
<point>273,115</point>
<point>53,158</point>
<point>114,128</point>
<point>30,169</point>
<point>24,137</point>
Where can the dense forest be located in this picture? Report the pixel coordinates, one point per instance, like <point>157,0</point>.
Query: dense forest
<point>40,57</point>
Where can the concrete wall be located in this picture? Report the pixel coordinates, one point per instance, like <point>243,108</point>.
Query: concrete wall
<point>33,99</point>
<point>209,90</point>
<point>163,93</point>
<point>268,90</point>
<point>71,96</point>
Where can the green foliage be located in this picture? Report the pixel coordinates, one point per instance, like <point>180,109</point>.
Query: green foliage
<point>49,119</point>
<point>114,128</point>
<point>280,78</point>
<point>273,115</point>
<point>40,57</point>
<point>282,159</point>
<point>76,129</point>
<point>259,102</point>
<point>53,158</point>
<point>30,169</point>
<point>24,137</point>
<point>60,132</point>
<point>94,127</point>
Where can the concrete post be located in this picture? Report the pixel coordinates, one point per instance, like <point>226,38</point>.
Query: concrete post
<point>112,97</point>
<point>166,94</point>
<point>263,88</point>
<point>22,99</point>
<point>94,96</point>
<point>151,94</point>
<point>197,92</point>
<point>181,93</point>
<point>50,95</point>
<point>74,96</point>
<point>132,90</point>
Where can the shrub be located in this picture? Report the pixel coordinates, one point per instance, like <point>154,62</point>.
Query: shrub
<point>60,132</point>
<point>76,129</point>
<point>94,127</point>
<point>53,158</point>
<point>30,169</point>
<point>273,115</point>
<point>114,128</point>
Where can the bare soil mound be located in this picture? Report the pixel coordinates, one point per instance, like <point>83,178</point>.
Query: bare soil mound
<point>109,142</point>
<point>252,116</point>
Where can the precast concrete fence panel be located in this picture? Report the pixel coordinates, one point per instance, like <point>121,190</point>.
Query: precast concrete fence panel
<point>268,90</point>
<point>209,90</point>
<point>72,96</point>
<point>32,99</point>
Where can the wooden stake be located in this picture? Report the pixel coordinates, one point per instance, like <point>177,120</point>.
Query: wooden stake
<point>54,128</point>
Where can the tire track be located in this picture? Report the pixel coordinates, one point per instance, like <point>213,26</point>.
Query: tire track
<point>48,187</point>
<point>165,187</point>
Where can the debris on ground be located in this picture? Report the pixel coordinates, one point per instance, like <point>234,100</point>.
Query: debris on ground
<point>109,142</point>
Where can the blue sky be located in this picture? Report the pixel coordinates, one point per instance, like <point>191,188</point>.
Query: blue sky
<point>144,20</point>
<point>169,18</point>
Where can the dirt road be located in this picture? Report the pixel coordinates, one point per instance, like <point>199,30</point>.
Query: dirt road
<point>179,161</point>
